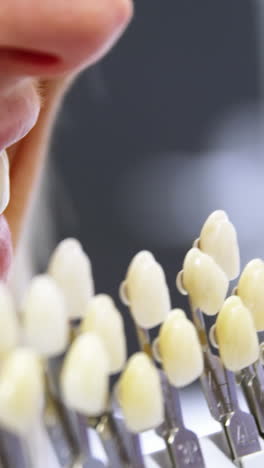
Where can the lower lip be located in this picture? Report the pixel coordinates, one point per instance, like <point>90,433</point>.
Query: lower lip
<point>18,114</point>
<point>6,251</point>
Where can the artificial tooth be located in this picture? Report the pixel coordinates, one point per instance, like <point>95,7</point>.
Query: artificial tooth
<point>205,281</point>
<point>180,350</point>
<point>21,390</point>
<point>177,313</point>
<point>236,335</point>
<point>85,375</point>
<point>218,239</point>
<point>140,394</point>
<point>103,318</point>
<point>9,326</point>
<point>147,291</point>
<point>4,181</point>
<point>45,319</point>
<point>71,269</point>
<point>251,290</point>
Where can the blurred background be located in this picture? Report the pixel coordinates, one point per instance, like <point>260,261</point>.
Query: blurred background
<point>166,129</point>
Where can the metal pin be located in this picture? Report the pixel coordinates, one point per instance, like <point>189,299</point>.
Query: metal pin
<point>251,380</point>
<point>130,440</point>
<point>183,444</point>
<point>240,426</point>
<point>14,451</point>
<point>58,431</point>
<point>115,449</point>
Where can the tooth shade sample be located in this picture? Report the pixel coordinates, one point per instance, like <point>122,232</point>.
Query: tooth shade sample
<point>180,350</point>
<point>85,375</point>
<point>140,394</point>
<point>177,314</point>
<point>218,239</point>
<point>103,318</point>
<point>236,335</point>
<point>71,269</point>
<point>147,291</point>
<point>9,326</point>
<point>4,181</point>
<point>44,316</point>
<point>21,390</point>
<point>251,290</point>
<point>205,282</point>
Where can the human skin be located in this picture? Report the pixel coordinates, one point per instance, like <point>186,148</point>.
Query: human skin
<point>43,47</point>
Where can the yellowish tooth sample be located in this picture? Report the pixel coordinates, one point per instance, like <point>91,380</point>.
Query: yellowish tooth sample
<point>218,239</point>
<point>147,291</point>
<point>205,281</point>
<point>85,375</point>
<point>140,394</point>
<point>21,390</point>
<point>44,315</point>
<point>9,326</point>
<point>71,269</point>
<point>251,290</point>
<point>103,318</point>
<point>4,181</point>
<point>180,350</point>
<point>236,335</point>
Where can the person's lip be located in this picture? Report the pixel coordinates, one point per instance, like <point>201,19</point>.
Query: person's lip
<point>6,250</point>
<point>19,112</point>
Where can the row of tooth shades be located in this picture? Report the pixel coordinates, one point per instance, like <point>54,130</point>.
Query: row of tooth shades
<point>61,348</point>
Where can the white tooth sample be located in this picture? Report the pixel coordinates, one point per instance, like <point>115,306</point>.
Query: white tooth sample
<point>140,394</point>
<point>21,390</point>
<point>236,335</point>
<point>103,318</point>
<point>251,290</point>
<point>180,350</point>
<point>9,326</point>
<point>4,181</point>
<point>71,269</point>
<point>85,375</point>
<point>205,281</point>
<point>218,239</point>
<point>44,316</point>
<point>177,313</point>
<point>147,290</point>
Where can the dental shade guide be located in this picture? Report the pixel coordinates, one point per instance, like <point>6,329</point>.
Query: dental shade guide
<point>73,273</point>
<point>46,329</point>
<point>88,357</point>
<point>178,349</point>
<point>102,317</point>
<point>21,404</point>
<point>237,445</point>
<point>242,352</point>
<point>13,446</point>
<point>143,276</point>
<point>70,268</point>
<point>199,281</point>
<point>251,378</point>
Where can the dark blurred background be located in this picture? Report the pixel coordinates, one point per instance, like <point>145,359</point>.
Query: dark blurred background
<point>166,129</point>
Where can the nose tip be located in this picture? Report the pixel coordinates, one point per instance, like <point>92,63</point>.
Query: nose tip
<point>58,40</point>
